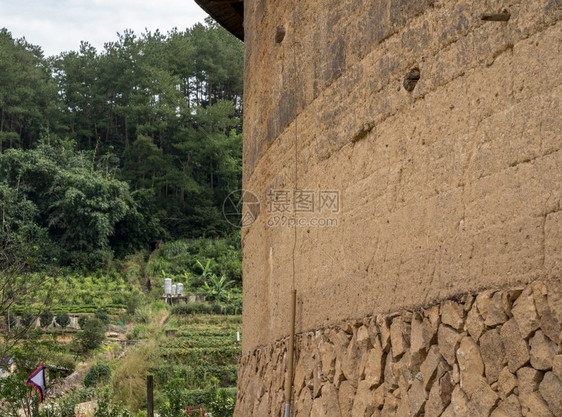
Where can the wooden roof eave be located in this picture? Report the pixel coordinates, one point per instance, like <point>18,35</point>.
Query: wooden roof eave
<point>229,13</point>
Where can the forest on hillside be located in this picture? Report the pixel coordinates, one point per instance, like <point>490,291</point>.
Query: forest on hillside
<point>103,153</point>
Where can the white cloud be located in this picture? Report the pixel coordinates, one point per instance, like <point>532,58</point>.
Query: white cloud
<point>60,25</point>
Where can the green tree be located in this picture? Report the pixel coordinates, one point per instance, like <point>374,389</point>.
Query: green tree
<point>101,314</point>
<point>221,404</point>
<point>63,319</point>
<point>82,321</point>
<point>92,335</point>
<point>81,114</point>
<point>105,408</point>
<point>27,319</point>
<point>28,93</point>
<point>46,318</point>
<point>175,403</point>
<point>99,373</point>
<point>70,200</point>
<point>15,394</point>
<point>17,398</point>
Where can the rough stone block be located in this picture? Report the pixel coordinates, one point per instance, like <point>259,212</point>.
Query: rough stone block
<point>439,396</point>
<point>528,379</point>
<point>498,309</point>
<point>516,348</point>
<point>557,366</point>
<point>493,354</point>
<point>533,405</point>
<point>452,314</point>
<point>542,351</point>
<point>448,340</point>
<point>417,397</point>
<point>327,404</point>
<point>399,331</point>
<point>550,389</point>
<point>525,313</point>
<point>474,323</point>
<point>510,407</point>
<point>421,336</point>
<point>549,325</point>
<point>363,404</point>
<point>506,382</point>
<point>429,369</point>
<point>346,394</point>
<point>374,366</point>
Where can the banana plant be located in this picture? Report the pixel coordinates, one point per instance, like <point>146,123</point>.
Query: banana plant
<point>216,289</point>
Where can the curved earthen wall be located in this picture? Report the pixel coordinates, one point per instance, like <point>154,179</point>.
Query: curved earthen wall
<point>452,188</point>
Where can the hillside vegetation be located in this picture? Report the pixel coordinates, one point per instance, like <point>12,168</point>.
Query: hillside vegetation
<point>114,165</point>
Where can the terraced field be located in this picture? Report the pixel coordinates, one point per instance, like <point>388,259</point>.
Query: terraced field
<point>203,353</point>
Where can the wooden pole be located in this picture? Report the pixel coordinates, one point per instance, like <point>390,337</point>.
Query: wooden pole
<point>149,396</point>
<point>289,380</point>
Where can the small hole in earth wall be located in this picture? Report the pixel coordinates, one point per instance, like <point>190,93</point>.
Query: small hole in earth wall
<point>411,79</point>
<point>280,34</point>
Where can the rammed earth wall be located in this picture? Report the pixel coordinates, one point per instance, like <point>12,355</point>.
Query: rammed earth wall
<point>454,187</point>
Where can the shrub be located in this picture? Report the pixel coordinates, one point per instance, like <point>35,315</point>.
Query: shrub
<point>99,374</point>
<point>65,360</point>
<point>11,321</point>
<point>159,306</point>
<point>26,319</point>
<point>142,314</point>
<point>106,408</point>
<point>217,288</point>
<point>180,257</point>
<point>139,331</point>
<point>93,334</point>
<point>45,318</point>
<point>102,315</point>
<point>216,399</point>
<point>63,319</point>
<point>223,403</point>
<point>174,392</point>
<point>133,302</point>
<point>129,388</point>
<point>81,321</point>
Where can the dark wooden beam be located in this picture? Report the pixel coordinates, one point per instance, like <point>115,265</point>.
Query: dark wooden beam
<point>149,396</point>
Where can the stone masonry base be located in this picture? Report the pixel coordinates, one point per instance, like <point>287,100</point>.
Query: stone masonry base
<point>495,353</point>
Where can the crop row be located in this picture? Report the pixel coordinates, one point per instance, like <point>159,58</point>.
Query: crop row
<point>194,356</point>
<point>205,332</point>
<point>84,308</point>
<point>203,341</point>
<point>196,376</point>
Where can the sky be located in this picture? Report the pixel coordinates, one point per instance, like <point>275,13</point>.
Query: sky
<point>59,25</point>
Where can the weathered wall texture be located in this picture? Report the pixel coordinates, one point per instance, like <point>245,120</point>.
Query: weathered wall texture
<point>453,188</point>
<point>497,354</point>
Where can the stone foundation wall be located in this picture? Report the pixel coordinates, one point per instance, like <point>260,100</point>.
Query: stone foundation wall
<point>497,353</point>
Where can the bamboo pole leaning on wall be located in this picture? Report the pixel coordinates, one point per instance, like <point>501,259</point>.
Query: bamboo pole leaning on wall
<point>289,380</point>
